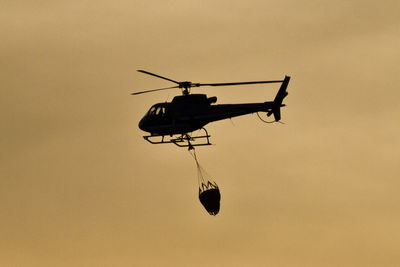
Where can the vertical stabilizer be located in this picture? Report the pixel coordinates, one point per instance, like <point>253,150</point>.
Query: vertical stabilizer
<point>282,93</point>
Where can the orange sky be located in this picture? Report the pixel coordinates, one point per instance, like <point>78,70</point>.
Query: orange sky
<point>80,187</point>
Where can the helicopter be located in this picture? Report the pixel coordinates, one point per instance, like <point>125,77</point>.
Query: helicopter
<point>175,121</point>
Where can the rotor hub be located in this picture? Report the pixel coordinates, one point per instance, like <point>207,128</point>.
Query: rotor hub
<point>185,84</point>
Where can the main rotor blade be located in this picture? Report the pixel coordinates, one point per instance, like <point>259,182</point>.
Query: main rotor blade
<point>153,90</point>
<point>155,75</point>
<point>238,83</point>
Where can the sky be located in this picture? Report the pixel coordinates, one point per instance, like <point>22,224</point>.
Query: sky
<point>79,186</point>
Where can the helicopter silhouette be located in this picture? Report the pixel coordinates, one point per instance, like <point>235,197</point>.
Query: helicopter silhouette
<point>175,121</point>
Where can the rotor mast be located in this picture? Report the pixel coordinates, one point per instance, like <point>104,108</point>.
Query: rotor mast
<point>185,87</point>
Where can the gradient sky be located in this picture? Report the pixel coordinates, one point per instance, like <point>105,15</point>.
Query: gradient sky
<point>80,187</point>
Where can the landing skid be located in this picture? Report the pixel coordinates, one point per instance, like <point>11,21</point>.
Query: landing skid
<point>183,140</point>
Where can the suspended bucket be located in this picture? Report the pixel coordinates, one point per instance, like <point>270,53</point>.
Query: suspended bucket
<point>210,197</point>
<point>209,194</point>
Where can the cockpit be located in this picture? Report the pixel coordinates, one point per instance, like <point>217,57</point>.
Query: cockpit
<point>157,110</point>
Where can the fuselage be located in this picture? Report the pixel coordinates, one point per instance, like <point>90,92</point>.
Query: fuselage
<point>188,113</point>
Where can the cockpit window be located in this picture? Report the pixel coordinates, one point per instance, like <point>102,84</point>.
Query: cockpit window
<point>152,110</point>
<point>157,111</point>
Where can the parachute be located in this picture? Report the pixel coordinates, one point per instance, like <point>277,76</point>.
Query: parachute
<point>209,194</point>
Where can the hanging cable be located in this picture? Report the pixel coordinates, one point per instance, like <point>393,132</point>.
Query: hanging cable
<point>200,171</point>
